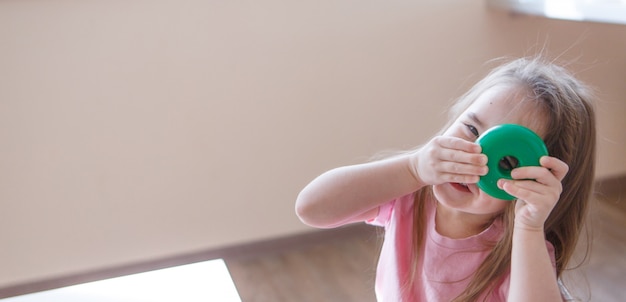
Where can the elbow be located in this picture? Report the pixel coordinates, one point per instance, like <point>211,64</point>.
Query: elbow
<point>303,214</point>
<point>310,212</point>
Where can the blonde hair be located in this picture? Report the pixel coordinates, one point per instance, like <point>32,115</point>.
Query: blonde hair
<point>570,136</point>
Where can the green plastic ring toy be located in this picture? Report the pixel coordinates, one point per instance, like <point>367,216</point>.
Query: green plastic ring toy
<point>508,146</point>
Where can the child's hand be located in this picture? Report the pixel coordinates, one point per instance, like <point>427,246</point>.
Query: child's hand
<point>536,198</point>
<point>448,159</point>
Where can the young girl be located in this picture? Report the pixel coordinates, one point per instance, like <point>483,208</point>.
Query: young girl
<point>447,240</point>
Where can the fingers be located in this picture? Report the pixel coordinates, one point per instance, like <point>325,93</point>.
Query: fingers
<point>455,143</point>
<point>450,159</point>
<point>537,190</point>
<point>558,167</point>
<point>531,191</point>
<point>463,157</point>
<point>460,160</point>
<point>551,172</point>
<point>537,183</point>
<point>458,178</point>
<point>538,175</point>
<point>458,150</point>
<point>463,169</point>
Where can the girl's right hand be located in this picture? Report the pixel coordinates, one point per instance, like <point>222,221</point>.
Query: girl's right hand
<point>448,159</point>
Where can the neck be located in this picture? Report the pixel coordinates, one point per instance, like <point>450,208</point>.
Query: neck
<point>457,224</point>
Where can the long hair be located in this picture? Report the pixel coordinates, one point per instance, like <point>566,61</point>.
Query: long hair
<point>570,136</point>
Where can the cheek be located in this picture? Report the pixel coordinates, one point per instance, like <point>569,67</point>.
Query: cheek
<point>437,192</point>
<point>453,131</point>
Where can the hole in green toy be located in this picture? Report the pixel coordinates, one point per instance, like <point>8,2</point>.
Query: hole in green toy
<point>508,163</point>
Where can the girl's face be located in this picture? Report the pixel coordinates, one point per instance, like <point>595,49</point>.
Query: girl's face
<point>497,105</point>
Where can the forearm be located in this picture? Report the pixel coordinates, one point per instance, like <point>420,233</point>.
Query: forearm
<point>532,275</point>
<point>339,195</point>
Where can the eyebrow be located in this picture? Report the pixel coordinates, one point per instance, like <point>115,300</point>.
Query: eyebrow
<point>474,118</point>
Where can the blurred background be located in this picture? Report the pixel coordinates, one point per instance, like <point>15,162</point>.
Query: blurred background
<point>139,130</point>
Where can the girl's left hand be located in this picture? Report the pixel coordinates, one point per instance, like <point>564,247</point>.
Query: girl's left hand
<point>537,190</point>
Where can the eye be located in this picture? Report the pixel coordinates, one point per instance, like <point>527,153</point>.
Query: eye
<point>472,129</point>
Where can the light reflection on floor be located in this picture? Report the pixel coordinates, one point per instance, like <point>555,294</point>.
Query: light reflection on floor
<point>203,281</point>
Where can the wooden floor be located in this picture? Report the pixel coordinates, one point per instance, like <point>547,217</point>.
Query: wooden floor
<point>343,268</point>
<point>603,277</point>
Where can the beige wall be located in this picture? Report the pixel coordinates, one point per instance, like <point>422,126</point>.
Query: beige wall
<point>134,130</point>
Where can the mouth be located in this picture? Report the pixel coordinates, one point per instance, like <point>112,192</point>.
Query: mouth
<point>463,187</point>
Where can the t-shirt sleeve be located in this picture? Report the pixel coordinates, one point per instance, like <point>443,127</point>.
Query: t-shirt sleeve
<point>384,214</point>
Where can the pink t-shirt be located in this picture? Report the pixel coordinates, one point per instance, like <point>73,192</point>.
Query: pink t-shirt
<point>445,266</point>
